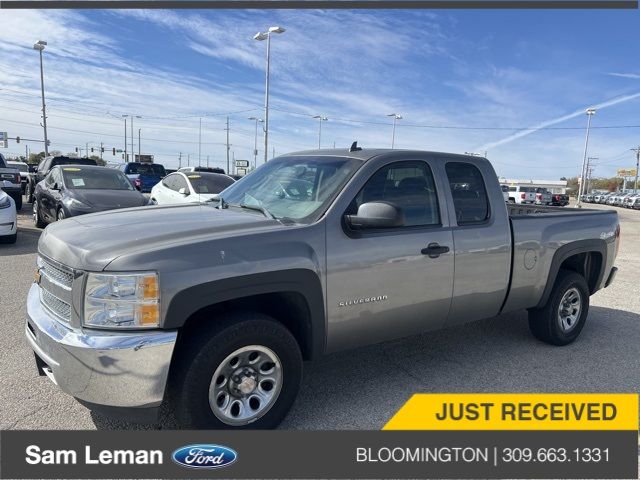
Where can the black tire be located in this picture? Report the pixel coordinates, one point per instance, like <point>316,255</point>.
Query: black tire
<point>37,218</point>
<point>545,323</point>
<point>18,200</point>
<point>28,193</point>
<point>9,238</point>
<point>199,358</point>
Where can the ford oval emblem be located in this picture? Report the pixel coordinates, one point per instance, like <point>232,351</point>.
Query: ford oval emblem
<point>204,456</point>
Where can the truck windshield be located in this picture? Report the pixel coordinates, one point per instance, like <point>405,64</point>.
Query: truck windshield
<point>293,188</point>
<point>145,169</point>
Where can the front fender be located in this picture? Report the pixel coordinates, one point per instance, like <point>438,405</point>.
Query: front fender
<point>305,282</point>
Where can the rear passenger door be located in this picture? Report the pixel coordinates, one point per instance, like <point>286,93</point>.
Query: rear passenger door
<point>482,239</point>
<point>382,283</point>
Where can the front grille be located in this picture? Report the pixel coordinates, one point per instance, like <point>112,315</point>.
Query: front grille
<point>55,286</point>
<point>57,275</point>
<point>58,307</point>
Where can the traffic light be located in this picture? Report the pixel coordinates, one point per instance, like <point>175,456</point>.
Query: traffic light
<point>76,149</point>
<point>101,149</point>
<point>91,149</point>
<point>114,151</point>
<point>17,139</point>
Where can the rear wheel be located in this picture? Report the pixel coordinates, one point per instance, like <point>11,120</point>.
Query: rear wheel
<point>28,193</point>
<point>18,199</point>
<point>245,374</point>
<point>37,219</point>
<point>561,319</point>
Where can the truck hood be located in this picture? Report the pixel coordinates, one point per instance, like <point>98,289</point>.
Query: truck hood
<point>91,242</point>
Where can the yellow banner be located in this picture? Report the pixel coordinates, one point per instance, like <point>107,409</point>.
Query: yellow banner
<point>517,411</point>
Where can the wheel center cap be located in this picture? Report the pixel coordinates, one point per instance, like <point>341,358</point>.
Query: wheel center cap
<point>247,385</point>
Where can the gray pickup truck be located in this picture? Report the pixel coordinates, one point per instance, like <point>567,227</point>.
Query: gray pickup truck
<point>213,307</point>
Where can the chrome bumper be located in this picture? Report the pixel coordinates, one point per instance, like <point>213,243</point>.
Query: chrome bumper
<point>116,369</point>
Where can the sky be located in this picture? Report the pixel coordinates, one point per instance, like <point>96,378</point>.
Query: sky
<point>515,84</point>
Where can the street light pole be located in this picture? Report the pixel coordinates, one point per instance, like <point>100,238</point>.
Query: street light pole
<point>590,113</point>
<point>260,36</point>
<point>39,45</point>
<point>126,158</point>
<point>396,116</point>
<point>255,141</point>
<point>637,150</point>
<point>139,149</point>
<point>199,140</point>
<point>320,120</point>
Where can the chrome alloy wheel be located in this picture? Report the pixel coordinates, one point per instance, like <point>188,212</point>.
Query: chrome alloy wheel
<point>245,385</point>
<point>35,211</point>
<point>569,309</point>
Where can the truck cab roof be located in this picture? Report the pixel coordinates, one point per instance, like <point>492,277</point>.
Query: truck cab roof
<point>365,154</point>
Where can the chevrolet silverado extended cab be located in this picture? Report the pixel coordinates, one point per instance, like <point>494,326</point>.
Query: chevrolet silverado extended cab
<point>213,307</point>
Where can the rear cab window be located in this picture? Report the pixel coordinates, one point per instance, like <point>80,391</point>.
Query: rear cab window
<point>470,199</point>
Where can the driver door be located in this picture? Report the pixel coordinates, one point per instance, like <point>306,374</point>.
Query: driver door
<point>382,283</point>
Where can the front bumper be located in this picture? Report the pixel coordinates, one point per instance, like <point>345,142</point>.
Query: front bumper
<point>104,368</point>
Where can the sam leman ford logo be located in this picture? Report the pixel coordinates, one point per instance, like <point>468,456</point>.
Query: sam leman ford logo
<point>204,456</point>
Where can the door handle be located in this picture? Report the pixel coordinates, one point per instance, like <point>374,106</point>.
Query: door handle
<point>434,250</point>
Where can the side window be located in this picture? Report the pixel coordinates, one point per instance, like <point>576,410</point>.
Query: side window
<point>168,182</point>
<point>469,193</point>
<point>407,185</point>
<point>41,165</point>
<point>50,178</point>
<point>179,183</point>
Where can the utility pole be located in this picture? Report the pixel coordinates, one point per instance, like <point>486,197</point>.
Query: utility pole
<point>199,140</point>
<point>227,129</point>
<point>180,160</point>
<point>139,150</point>
<point>86,150</point>
<point>101,149</point>
<point>590,113</point>
<point>588,174</point>
<point>207,161</point>
<point>126,159</point>
<point>637,150</point>
<point>188,159</point>
<point>132,154</point>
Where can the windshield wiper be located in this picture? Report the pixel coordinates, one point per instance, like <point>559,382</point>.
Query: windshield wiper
<point>258,208</point>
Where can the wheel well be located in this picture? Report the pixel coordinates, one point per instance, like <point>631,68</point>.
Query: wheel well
<point>289,308</point>
<point>587,264</point>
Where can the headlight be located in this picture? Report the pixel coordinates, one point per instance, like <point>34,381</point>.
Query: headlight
<point>122,300</point>
<point>5,202</point>
<point>77,204</point>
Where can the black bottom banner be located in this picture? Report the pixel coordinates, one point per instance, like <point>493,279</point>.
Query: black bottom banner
<point>318,454</point>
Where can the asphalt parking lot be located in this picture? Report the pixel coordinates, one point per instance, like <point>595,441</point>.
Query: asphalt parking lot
<point>362,389</point>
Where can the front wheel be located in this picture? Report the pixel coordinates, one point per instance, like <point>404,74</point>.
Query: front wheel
<point>60,215</point>
<point>244,375</point>
<point>561,319</point>
<point>37,219</point>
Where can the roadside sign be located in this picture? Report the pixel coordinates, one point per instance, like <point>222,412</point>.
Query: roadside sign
<point>242,163</point>
<point>4,143</point>
<point>627,172</point>
<point>241,171</point>
<point>4,140</point>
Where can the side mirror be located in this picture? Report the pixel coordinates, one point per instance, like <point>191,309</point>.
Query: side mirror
<point>183,191</point>
<point>376,215</point>
<point>55,186</point>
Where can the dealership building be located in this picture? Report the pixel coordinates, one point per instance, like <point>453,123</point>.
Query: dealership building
<point>554,186</point>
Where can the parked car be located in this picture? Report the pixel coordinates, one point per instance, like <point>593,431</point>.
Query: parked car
<point>45,166</point>
<point>522,195</point>
<point>315,252</point>
<point>505,192</point>
<point>72,190</point>
<point>10,182</point>
<point>589,198</point>
<point>8,219</point>
<point>143,176</point>
<point>636,203</point>
<point>543,196</point>
<point>201,169</point>
<point>182,187</point>
<point>559,199</point>
<point>630,200</point>
<point>23,168</point>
